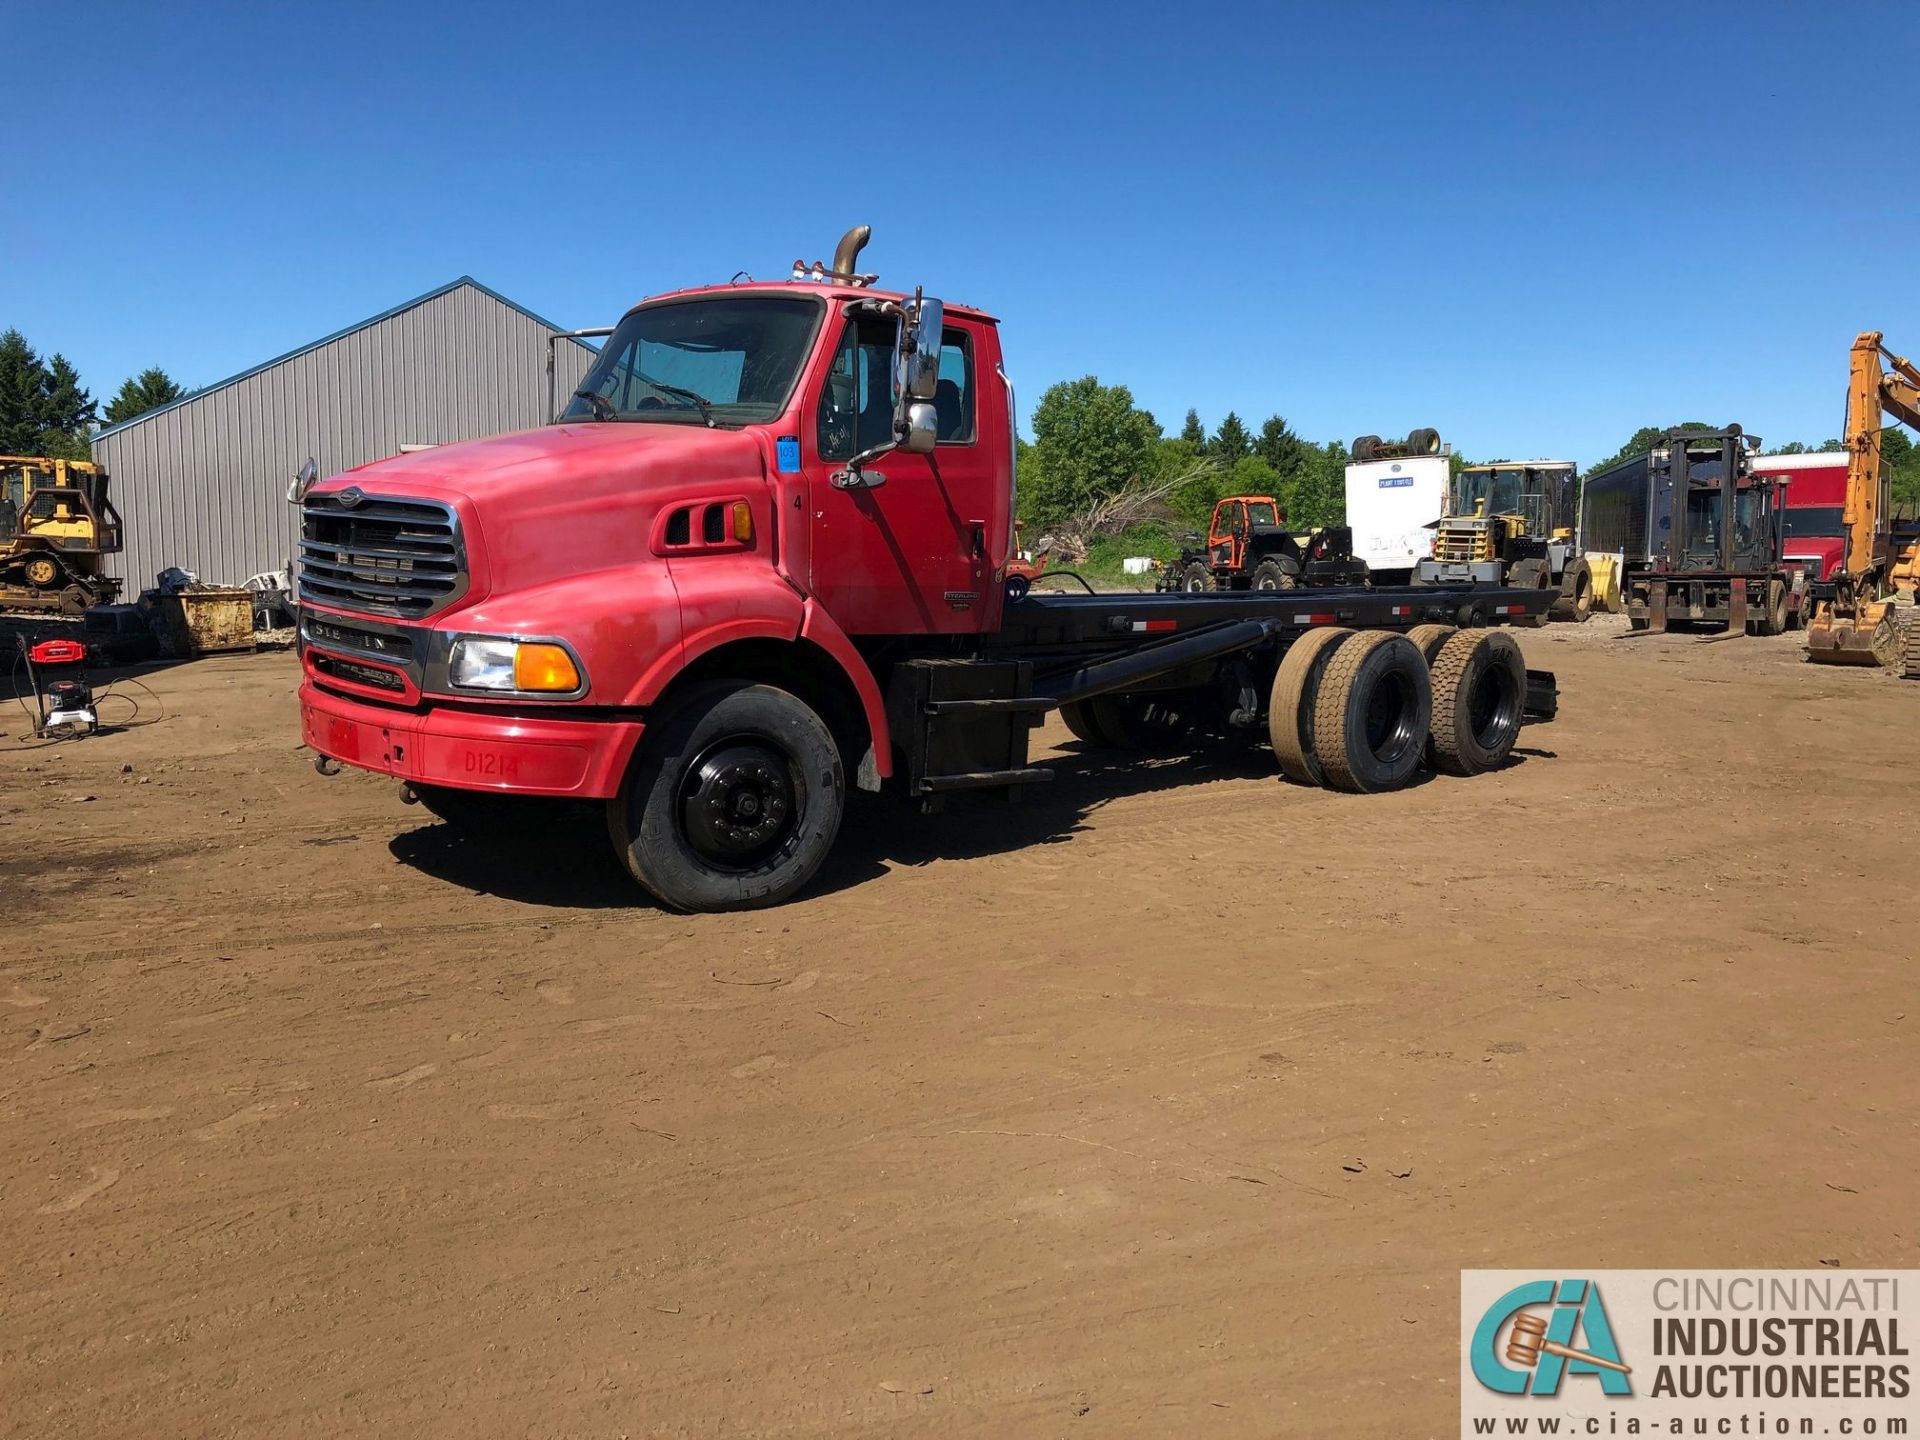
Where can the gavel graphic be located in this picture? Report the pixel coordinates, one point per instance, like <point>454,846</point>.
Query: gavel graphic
<point>1529,1342</point>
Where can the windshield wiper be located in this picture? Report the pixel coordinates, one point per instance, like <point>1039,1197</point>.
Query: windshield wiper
<point>705,405</point>
<point>602,407</point>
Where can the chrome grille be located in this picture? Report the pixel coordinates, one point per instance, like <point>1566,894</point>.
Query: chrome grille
<point>382,554</point>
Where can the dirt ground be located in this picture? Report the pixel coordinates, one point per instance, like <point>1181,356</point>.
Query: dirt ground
<point>1171,1102</point>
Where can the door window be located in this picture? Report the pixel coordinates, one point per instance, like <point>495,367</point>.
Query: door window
<point>856,408</point>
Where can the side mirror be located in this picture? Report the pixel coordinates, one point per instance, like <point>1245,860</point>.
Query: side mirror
<point>303,482</point>
<point>923,428</point>
<point>920,335</point>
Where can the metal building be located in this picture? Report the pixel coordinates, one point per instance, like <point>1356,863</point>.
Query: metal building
<point>202,483</point>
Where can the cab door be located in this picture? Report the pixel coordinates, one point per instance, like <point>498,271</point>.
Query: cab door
<point>1227,534</point>
<point>914,553</point>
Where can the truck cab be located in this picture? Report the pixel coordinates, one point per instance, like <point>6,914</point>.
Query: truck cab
<point>783,474</point>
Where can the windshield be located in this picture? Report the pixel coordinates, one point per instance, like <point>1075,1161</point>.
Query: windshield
<point>1499,488</point>
<point>1262,513</point>
<point>733,359</point>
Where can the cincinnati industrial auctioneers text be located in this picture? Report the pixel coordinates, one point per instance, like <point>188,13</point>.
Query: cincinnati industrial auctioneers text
<point>1779,1337</point>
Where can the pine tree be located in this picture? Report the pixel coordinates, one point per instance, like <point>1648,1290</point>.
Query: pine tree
<point>44,409</point>
<point>1231,443</point>
<point>148,390</point>
<point>21,395</point>
<point>1280,447</point>
<point>1194,433</point>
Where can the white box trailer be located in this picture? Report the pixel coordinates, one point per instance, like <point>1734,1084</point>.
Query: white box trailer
<point>1391,506</point>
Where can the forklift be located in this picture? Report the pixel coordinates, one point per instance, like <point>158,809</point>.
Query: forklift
<point>1515,522</point>
<point>1715,536</point>
<point>1248,547</point>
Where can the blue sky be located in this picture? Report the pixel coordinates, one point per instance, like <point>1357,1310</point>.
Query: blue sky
<point>1532,226</point>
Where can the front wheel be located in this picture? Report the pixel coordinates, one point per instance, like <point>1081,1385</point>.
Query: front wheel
<point>1277,573</point>
<point>733,801</point>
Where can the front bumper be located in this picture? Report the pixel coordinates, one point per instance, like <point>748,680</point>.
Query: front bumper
<point>1461,572</point>
<point>471,748</point>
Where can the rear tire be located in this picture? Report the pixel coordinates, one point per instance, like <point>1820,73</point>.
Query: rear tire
<point>1429,638</point>
<point>1371,716</point>
<point>1291,703</point>
<point>733,801</point>
<point>1479,695</point>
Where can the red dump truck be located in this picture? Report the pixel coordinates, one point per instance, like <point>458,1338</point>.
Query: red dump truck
<point>762,555</point>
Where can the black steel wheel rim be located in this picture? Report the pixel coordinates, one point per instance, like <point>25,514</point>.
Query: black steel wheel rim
<point>1389,719</point>
<point>1493,707</point>
<point>741,802</point>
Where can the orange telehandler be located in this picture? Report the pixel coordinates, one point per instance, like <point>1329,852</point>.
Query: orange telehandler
<point>1857,626</point>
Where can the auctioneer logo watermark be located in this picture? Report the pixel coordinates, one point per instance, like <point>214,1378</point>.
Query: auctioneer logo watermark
<point>1688,1352</point>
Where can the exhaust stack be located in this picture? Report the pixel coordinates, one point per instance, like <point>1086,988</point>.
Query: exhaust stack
<point>845,256</point>
<point>847,253</point>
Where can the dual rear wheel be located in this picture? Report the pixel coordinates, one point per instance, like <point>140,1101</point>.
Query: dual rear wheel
<point>1363,711</point>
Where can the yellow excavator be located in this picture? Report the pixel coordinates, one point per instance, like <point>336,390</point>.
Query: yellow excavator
<point>1857,626</point>
<point>57,527</point>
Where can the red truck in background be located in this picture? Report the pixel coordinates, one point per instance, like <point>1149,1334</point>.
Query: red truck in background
<point>1815,495</point>
<point>763,551</point>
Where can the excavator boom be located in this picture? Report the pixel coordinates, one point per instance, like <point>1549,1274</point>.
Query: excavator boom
<point>1857,626</point>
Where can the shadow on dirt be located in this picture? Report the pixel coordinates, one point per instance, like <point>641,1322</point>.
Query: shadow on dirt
<point>558,855</point>
<point>554,855</point>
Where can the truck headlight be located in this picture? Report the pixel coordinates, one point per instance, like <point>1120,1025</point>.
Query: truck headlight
<point>530,667</point>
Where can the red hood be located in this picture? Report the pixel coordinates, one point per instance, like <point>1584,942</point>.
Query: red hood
<point>600,459</point>
<point>596,484</point>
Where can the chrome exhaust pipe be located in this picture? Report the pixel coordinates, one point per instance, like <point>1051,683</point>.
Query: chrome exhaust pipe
<point>847,253</point>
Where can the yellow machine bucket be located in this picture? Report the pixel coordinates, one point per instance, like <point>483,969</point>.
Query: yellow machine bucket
<point>1868,637</point>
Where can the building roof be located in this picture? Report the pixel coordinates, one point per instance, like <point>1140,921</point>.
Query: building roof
<point>368,323</point>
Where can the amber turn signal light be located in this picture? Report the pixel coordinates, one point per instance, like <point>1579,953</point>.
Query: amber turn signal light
<point>742,521</point>
<point>540,667</point>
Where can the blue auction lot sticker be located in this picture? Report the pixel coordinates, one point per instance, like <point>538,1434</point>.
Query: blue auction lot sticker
<point>787,454</point>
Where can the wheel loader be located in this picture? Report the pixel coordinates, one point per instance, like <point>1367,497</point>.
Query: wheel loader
<point>57,527</point>
<point>1514,523</point>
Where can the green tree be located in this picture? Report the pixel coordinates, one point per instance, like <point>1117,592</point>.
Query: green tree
<point>1089,441</point>
<point>44,409</point>
<point>148,390</point>
<point>1320,495</point>
<point>1230,442</point>
<point>1193,432</point>
<point>1644,439</point>
<point>1283,450</point>
<point>22,384</point>
<point>1903,456</point>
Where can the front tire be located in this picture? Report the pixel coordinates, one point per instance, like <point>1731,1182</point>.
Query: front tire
<point>1276,574</point>
<point>733,801</point>
<point>1196,579</point>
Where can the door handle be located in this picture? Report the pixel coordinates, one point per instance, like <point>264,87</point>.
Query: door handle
<point>979,537</point>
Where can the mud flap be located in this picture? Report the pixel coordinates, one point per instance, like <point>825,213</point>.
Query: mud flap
<point>1543,698</point>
